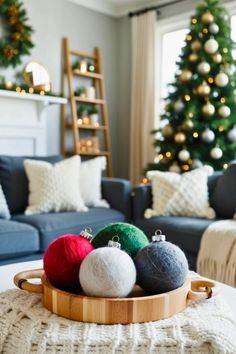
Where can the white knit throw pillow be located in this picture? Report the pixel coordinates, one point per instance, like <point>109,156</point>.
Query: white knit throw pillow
<point>183,195</point>
<point>54,188</point>
<point>4,211</point>
<point>90,182</point>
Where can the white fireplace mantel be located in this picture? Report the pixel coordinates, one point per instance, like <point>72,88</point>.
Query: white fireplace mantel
<point>23,122</point>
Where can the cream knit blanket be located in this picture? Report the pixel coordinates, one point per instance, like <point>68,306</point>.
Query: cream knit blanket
<point>27,327</point>
<point>217,255</point>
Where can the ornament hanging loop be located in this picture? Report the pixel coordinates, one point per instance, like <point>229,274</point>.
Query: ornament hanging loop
<point>114,242</point>
<point>158,236</point>
<point>87,233</point>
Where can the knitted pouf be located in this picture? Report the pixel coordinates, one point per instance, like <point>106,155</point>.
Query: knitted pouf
<point>131,238</point>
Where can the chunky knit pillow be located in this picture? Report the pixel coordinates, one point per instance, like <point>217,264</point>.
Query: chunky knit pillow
<point>4,211</point>
<point>183,195</point>
<point>90,182</point>
<point>54,188</point>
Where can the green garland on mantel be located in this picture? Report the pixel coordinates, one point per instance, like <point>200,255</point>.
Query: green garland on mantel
<point>17,41</point>
<point>23,88</point>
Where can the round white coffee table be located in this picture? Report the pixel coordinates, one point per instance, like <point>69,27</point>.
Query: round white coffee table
<point>7,273</point>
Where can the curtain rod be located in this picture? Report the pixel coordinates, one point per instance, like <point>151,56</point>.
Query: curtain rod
<point>156,8</point>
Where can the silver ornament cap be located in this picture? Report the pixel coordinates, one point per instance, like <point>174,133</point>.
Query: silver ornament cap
<point>158,236</point>
<point>114,242</point>
<point>87,233</point>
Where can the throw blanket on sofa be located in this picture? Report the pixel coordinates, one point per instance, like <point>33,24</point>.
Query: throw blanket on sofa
<point>217,255</point>
<point>27,327</point>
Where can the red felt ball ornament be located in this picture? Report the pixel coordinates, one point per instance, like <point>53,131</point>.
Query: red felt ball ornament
<point>63,258</point>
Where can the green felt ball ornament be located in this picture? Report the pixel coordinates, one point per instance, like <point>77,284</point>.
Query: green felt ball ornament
<point>131,238</point>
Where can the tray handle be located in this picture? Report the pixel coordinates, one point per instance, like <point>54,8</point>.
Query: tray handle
<point>202,289</point>
<point>21,280</point>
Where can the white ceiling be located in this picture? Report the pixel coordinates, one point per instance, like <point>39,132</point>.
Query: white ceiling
<point>117,8</point>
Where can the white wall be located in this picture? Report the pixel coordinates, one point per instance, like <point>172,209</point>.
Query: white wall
<point>54,19</point>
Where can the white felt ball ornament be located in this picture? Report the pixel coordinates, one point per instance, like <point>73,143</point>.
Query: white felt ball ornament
<point>184,155</point>
<point>208,136</point>
<point>232,135</point>
<point>107,272</point>
<point>224,111</point>
<point>221,80</point>
<point>211,46</point>
<point>214,28</point>
<point>178,106</point>
<point>203,68</point>
<point>216,153</point>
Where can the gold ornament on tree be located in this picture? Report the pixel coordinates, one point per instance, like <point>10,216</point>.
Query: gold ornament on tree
<point>207,18</point>
<point>203,89</point>
<point>167,131</point>
<point>187,125</point>
<point>196,45</point>
<point>208,109</point>
<point>193,57</point>
<point>180,138</point>
<point>217,58</point>
<point>185,75</point>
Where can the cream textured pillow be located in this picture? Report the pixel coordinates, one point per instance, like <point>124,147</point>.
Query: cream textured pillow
<point>54,188</point>
<point>90,182</point>
<point>183,195</point>
<point>4,211</point>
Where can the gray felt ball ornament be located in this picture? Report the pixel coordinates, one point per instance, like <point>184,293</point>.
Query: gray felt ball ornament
<point>161,266</point>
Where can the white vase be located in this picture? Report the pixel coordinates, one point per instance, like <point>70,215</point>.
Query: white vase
<point>94,118</point>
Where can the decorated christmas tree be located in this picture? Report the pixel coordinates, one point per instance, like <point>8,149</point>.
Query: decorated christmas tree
<point>200,109</point>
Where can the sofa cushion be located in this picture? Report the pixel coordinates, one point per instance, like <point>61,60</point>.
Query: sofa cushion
<point>14,181</point>
<point>223,199</point>
<point>186,232</point>
<point>53,225</point>
<point>17,239</point>
<point>54,187</point>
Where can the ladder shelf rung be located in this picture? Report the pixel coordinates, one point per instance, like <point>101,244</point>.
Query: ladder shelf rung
<point>93,153</point>
<point>82,54</point>
<point>88,126</point>
<point>87,100</point>
<point>87,74</point>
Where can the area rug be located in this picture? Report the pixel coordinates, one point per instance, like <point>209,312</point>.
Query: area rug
<point>27,327</point>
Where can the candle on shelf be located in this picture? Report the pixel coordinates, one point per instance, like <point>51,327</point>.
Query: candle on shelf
<point>83,66</point>
<point>90,92</point>
<point>86,120</point>
<point>80,121</point>
<point>9,85</point>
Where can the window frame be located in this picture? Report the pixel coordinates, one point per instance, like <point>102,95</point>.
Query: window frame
<point>163,26</point>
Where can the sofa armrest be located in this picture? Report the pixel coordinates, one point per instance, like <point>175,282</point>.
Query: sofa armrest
<point>118,194</point>
<point>142,199</point>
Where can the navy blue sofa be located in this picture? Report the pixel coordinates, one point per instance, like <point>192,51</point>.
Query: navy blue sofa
<point>186,232</point>
<point>25,237</point>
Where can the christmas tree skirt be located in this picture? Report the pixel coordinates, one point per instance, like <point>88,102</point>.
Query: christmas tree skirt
<point>27,327</point>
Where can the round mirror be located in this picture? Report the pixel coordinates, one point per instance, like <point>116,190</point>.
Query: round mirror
<point>37,76</point>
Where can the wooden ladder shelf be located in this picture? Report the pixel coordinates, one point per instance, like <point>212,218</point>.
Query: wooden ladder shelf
<point>75,125</point>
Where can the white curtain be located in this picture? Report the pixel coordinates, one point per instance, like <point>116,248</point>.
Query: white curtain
<point>142,94</point>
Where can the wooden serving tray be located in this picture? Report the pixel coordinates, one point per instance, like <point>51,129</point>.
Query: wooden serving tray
<point>138,307</point>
